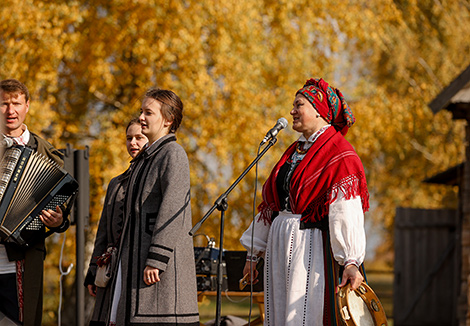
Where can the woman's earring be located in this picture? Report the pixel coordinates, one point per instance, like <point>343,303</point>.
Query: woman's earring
<point>318,116</point>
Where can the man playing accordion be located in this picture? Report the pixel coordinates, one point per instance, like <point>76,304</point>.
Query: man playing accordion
<point>21,268</point>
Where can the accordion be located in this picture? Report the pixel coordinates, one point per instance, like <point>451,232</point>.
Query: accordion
<point>30,183</point>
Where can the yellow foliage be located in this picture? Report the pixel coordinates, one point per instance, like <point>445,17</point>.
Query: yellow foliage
<point>237,65</point>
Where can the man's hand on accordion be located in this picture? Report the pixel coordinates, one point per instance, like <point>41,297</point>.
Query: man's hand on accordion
<point>52,219</point>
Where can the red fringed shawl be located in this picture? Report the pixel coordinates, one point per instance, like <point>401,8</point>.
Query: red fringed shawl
<point>330,165</point>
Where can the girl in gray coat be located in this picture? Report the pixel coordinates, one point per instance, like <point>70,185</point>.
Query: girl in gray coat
<point>156,277</point>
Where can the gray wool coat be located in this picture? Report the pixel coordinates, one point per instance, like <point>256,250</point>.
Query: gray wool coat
<point>156,233</point>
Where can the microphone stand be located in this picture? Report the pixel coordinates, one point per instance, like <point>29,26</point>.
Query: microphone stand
<point>221,204</point>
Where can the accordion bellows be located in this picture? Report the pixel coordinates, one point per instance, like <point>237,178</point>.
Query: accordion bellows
<point>29,183</point>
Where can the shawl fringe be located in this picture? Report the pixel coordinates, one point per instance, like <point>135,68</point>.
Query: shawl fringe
<point>266,213</point>
<point>331,166</point>
<point>351,186</point>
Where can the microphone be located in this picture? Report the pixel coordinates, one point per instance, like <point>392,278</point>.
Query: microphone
<point>280,124</point>
<point>6,142</point>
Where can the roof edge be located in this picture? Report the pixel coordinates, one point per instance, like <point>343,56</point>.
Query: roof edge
<point>444,97</point>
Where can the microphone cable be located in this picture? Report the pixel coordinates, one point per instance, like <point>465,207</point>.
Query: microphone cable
<point>252,237</point>
<point>62,274</point>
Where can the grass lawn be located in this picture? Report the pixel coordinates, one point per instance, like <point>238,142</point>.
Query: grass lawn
<point>233,306</point>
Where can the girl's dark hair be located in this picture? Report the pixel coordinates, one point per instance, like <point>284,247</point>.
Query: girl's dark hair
<point>172,106</point>
<point>134,121</point>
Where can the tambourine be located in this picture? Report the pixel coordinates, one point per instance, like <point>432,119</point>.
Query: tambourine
<point>360,307</point>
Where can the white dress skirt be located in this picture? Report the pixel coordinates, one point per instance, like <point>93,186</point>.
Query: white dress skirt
<point>294,282</point>
<point>304,286</point>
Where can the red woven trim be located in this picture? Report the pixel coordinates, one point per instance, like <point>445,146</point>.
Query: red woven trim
<point>19,282</point>
<point>331,274</point>
<point>105,259</point>
<point>265,213</point>
<point>316,210</point>
<point>351,186</point>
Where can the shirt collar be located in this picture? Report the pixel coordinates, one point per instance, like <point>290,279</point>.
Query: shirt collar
<point>313,137</point>
<point>23,139</point>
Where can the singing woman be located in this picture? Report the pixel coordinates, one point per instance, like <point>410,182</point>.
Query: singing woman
<point>310,226</point>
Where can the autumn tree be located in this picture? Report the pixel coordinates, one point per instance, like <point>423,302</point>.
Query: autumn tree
<point>237,66</point>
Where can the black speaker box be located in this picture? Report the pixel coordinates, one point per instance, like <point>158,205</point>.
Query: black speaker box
<point>209,283</point>
<point>206,260</point>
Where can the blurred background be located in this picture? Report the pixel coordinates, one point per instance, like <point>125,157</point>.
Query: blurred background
<point>237,65</point>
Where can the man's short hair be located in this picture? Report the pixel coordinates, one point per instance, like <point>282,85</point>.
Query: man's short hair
<point>14,86</point>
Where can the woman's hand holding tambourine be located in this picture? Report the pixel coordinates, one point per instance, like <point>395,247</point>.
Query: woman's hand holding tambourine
<point>352,275</point>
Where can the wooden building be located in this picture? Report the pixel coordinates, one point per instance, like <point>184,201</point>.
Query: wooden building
<point>456,99</point>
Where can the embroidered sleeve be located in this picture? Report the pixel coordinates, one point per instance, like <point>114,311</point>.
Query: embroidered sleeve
<point>260,237</point>
<point>346,223</point>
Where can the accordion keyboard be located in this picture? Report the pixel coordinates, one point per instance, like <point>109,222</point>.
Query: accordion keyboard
<point>36,223</point>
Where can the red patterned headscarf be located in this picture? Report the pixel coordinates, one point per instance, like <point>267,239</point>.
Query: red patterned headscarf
<point>329,102</point>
